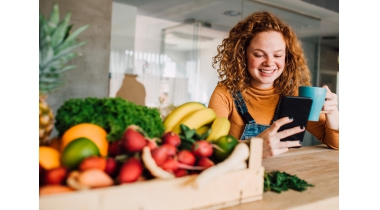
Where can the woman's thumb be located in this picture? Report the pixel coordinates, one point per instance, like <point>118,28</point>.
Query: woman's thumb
<point>328,89</point>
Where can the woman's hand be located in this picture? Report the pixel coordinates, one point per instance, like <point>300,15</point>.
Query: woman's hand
<point>330,109</point>
<point>272,145</point>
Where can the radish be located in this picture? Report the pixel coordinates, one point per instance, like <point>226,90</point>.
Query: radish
<point>111,167</point>
<point>171,138</point>
<point>151,143</point>
<point>152,167</point>
<point>170,165</point>
<point>159,155</point>
<point>130,171</point>
<point>180,172</point>
<point>202,148</point>
<point>205,162</point>
<point>186,157</point>
<point>237,158</point>
<point>133,140</point>
<point>115,148</point>
<point>171,150</point>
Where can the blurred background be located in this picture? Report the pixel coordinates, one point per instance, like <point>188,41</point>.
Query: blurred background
<point>166,46</point>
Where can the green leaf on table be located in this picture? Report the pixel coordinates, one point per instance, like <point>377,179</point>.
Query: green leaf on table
<point>277,181</point>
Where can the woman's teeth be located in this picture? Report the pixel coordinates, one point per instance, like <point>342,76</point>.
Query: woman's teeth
<point>266,71</point>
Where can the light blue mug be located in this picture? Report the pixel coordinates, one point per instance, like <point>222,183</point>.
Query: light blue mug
<point>318,95</point>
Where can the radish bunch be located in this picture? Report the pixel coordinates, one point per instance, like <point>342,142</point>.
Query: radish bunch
<point>165,154</point>
<point>181,162</point>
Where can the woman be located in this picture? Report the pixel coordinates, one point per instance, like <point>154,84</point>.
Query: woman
<point>259,61</point>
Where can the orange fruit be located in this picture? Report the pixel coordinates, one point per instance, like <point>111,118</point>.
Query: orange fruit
<point>49,157</point>
<point>90,131</point>
<point>78,150</point>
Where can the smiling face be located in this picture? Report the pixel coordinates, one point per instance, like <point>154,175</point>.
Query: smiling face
<point>266,58</point>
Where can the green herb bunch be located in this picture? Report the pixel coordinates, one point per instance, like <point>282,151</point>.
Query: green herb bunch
<point>112,114</point>
<point>281,181</point>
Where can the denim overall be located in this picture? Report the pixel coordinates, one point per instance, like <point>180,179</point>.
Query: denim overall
<point>251,129</point>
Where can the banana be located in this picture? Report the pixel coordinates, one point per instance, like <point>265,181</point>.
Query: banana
<point>179,113</point>
<point>220,127</point>
<point>203,129</point>
<point>196,119</point>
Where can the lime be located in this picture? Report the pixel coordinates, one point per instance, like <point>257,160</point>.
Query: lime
<point>227,143</point>
<point>77,150</point>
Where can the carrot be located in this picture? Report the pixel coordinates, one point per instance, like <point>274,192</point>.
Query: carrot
<point>95,178</point>
<point>54,189</point>
<point>72,181</point>
<point>151,165</point>
<point>233,162</point>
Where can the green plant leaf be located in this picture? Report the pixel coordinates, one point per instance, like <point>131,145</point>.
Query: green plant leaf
<point>54,16</point>
<point>277,181</point>
<point>184,128</point>
<point>59,33</point>
<point>206,134</point>
<point>71,37</point>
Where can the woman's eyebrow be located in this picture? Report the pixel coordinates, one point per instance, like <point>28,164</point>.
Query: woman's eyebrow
<point>280,50</point>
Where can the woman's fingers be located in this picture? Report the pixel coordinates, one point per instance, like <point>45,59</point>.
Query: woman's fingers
<point>288,144</point>
<point>290,131</point>
<point>280,122</point>
<point>272,145</point>
<point>274,152</point>
<point>331,102</point>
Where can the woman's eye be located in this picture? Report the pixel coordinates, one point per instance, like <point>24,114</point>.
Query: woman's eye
<point>258,56</point>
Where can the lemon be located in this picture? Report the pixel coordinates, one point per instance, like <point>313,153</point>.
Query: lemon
<point>77,150</point>
<point>227,143</point>
<point>49,157</point>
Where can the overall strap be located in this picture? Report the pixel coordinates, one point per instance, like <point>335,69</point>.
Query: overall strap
<point>241,107</point>
<point>277,108</point>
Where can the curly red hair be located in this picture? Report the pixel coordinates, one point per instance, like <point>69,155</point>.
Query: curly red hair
<point>232,68</point>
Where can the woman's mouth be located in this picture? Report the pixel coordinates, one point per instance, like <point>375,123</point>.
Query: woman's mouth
<point>267,72</point>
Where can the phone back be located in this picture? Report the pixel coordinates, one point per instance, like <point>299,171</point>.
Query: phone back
<point>299,109</point>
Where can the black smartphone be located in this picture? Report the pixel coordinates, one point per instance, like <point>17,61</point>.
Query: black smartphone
<point>299,109</point>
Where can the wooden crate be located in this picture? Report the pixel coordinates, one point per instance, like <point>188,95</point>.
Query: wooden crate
<point>229,189</point>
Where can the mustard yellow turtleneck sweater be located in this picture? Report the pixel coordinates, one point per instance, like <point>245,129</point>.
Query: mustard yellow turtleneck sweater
<point>261,105</point>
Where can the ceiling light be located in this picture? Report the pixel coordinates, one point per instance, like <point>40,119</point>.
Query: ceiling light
<point>232,13</point>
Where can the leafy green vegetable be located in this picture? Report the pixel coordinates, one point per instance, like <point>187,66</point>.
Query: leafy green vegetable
<point>112,114</point>
<point>281,181</point>
<point>189,136</point>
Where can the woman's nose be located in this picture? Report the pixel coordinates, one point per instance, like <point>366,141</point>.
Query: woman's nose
<point>269,61</point>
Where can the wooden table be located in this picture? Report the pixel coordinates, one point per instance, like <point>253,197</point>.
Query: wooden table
<point>318,165</point>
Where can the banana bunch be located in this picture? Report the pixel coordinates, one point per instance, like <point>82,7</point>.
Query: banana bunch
<point>179,113</point>
<point>197,116</point>
<point>219,127</point>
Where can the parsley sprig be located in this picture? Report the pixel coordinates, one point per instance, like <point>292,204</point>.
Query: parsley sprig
<point>277,181</point>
